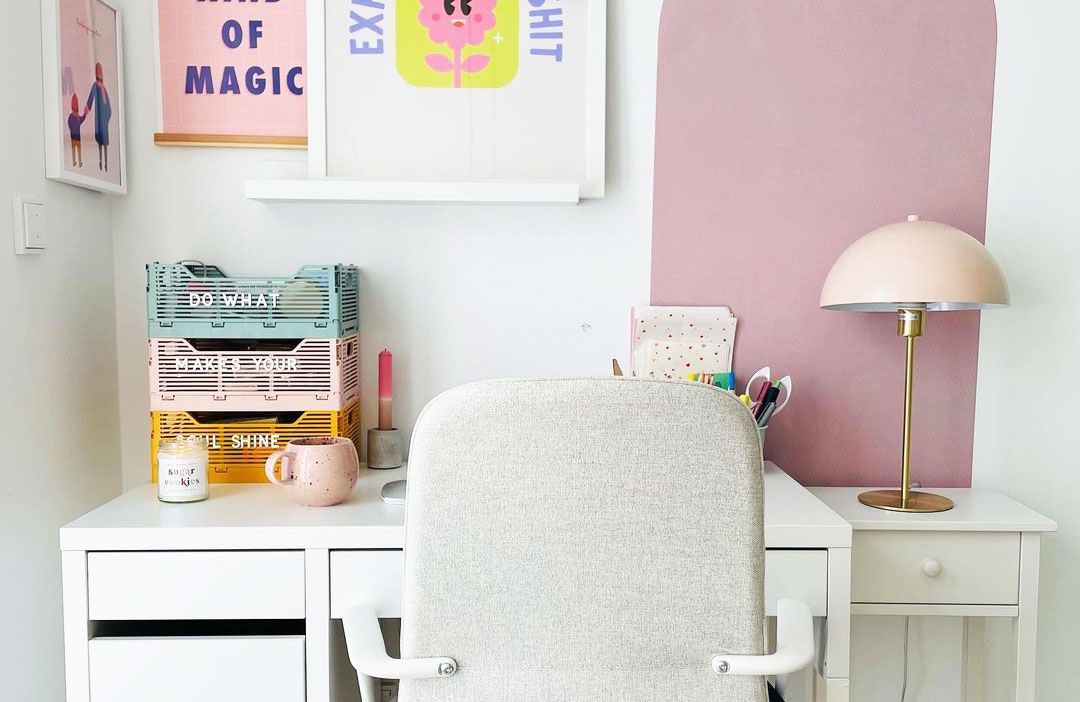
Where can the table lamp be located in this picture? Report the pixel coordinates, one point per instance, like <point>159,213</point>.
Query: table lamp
<point>910,268</point>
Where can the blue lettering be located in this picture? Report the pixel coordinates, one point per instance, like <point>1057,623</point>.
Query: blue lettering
<point>232,34</point>
<point>555,51</point>
<point>551,17</point>
<point>229,83</point>
<point>365,47</point>
<point>290,80</point>
<point>256,84</point>
<point>360,23</point>
<point>254,33</point>
<point>546,19</point>
<point>199,81</point>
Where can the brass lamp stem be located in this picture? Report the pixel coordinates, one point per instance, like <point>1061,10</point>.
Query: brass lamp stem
<point>910,326</point>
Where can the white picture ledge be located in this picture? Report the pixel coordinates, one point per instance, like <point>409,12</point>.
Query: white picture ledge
<point>332,190</point>
<point>520,118</point>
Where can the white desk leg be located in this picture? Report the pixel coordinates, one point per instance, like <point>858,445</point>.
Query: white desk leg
<point>76,626</point>
<point>838,626</point>
<point>1026,621</point>
<point>317,613</point>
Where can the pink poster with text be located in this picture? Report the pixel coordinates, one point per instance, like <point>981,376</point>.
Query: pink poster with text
<point>233,69</point>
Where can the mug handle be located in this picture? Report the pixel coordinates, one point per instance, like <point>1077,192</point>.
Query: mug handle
<point>271,462</point>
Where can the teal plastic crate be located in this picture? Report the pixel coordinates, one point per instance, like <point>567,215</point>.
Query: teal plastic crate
<point>196,300</point>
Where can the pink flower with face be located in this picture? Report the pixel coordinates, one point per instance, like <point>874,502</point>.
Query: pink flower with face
<point>457,23</point>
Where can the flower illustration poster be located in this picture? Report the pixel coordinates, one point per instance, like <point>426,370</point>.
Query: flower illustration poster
<point>458,40</point>
<point>423,90</point>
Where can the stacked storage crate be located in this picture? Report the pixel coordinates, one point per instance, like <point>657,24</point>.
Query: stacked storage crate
<point>245,365</point>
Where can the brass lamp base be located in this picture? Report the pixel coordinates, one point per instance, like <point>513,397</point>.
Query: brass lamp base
<point>910,326</point>
<point>917,502</point>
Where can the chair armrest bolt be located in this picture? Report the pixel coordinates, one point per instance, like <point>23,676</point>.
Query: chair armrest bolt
<point>446,669</point>
<point>721,667</point>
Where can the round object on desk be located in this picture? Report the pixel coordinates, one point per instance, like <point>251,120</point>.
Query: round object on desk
<point>393,493</point>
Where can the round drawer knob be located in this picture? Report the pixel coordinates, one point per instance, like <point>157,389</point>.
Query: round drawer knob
<point>931,568</point>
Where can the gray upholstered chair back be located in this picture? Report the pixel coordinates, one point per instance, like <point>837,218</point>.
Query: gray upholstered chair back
<point>593,540</point>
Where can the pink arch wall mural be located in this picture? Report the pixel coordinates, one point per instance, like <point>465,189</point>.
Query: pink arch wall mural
<point>786,130</point>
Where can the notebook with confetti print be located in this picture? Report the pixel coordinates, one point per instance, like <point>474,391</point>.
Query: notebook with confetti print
<point>672,342</point>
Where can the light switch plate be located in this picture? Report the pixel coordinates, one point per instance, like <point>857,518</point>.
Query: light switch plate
<point>31,225</point>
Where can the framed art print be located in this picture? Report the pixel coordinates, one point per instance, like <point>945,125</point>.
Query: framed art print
<point>458,91</point>
<point>84,94</point>
<point>231,73</point>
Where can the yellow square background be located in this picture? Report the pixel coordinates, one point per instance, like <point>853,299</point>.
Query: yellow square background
<point>413,44</point>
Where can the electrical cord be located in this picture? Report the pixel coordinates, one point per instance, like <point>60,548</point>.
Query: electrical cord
<point>907,636</point>
<point>907,640</point>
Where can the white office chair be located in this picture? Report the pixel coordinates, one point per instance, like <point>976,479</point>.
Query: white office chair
<point>593,540</point>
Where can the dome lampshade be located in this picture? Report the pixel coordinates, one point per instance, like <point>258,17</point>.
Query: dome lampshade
<point>916,263</point>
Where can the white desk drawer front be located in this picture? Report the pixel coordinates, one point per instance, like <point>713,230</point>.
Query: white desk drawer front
<point>201,669</point>
<point>374,578</point>
<point>366,577</point>
<point>797,575</point>
<point>935,567</point>
<point>196,585</point>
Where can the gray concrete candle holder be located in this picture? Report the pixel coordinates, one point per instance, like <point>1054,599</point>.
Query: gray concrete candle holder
<point>385,449</point>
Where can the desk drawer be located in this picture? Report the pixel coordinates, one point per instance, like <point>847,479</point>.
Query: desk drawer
<point>374,577</point>
<point>366,577</point>
<point>897,567</point>
<point>196,585</point>
<point>797,575</point>
<point>206,669</point>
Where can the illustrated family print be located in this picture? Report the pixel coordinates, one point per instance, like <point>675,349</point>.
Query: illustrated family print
<point>98,103</point>
<point>88,96</point>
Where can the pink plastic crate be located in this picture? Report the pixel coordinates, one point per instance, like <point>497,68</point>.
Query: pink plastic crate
<point>252,375</point>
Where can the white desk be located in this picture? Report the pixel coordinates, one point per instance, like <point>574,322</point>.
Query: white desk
<point>980,559</point>
<point>247,553</point>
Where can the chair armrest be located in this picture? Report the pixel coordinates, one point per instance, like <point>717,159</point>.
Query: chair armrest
<point>367,651</point>
<point>794,645</point>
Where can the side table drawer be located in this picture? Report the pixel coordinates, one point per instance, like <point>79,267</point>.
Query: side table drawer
<point>935,567</point>
<point>174,585</point>
<point>366,577</point>
<point>206,669</point>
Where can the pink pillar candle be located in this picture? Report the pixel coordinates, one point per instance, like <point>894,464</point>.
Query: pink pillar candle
<point>386,390</point>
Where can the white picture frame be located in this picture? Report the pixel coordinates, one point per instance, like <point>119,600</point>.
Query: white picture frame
<point>58,88</point>
<point>591,186</point>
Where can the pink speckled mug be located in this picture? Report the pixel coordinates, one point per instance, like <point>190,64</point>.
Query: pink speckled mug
<point>316,472</point>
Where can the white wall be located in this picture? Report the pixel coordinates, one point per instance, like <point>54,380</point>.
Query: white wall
<point>1027,411</point>
<point>58,416</point>
<point>458,293</point>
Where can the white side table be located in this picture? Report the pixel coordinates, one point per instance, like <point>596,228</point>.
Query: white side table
<point>980,559</point>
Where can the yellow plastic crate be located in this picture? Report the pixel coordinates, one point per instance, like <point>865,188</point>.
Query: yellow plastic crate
<point>239,448</point>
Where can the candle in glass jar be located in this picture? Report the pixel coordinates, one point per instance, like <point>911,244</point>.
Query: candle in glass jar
<point>182,471</point>
<point>386,390</point>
